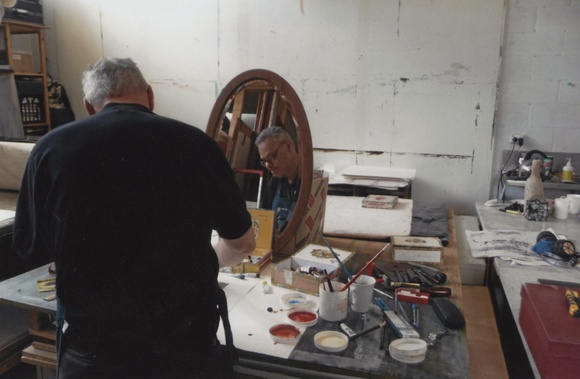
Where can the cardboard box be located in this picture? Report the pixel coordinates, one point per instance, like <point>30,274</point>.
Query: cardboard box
<point>417,249</point>
<point>314,213</point>
<point>286,273</point>
<point>380,201</point>
<point>22,62</point>
<point>552,334</point>
<point>263,224</point>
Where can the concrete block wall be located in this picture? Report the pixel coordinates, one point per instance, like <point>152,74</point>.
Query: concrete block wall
<point>407,84</point>
<point>539,86</point>
<point>383,82</point>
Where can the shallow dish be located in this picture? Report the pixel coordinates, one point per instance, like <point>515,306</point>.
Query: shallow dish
<point>302,317</point>
<point>284,333</point>
<point>331,341</point>
<point>408,350</point>
<point>295,300</point>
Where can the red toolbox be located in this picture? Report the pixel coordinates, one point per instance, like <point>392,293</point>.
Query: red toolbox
<point>552,334</point>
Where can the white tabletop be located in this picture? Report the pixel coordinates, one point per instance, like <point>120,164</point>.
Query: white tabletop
<point>345,217</point>
<point>513,276</point>
<point>491,218</point>
<point>251,333</point>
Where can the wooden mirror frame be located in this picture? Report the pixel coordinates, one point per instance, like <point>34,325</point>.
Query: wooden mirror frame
<point>283,241</point>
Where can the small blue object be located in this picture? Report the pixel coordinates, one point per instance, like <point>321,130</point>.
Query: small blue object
<point>240,276</point>
<point>381,303</point>
<point>415,315</point>
<point>543,246</point>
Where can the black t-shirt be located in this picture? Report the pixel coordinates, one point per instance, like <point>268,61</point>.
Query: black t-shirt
<point>125,202</point>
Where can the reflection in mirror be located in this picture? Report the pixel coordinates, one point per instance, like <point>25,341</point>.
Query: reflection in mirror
<point>279,155</point>
<point>252,102</point>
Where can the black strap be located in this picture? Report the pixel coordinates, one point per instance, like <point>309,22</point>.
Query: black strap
<point>231,352</point>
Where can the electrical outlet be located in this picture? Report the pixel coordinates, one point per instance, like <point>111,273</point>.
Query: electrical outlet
<point>517,138</point>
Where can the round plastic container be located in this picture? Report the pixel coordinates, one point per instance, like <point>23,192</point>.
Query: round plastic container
<point>302,317</point>
<point>408,350</point>
<point>284,333</point>
<point>331,341</point>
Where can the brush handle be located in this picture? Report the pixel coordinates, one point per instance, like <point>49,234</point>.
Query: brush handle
<point>354,278</point>
<point>368,331</point>
<point>348,274</point>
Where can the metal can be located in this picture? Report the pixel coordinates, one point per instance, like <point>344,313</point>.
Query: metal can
<point>548,166</point>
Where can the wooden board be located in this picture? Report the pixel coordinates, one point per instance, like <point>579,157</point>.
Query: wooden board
<point>345,217</point>
<point>482,334</point>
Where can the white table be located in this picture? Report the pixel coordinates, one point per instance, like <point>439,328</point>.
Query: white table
<point>492,219</point>
<point>251,333</point>
<point>514,276</point>
<point>345,217</point>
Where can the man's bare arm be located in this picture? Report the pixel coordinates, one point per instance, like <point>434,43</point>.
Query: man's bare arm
<point>230,252</point>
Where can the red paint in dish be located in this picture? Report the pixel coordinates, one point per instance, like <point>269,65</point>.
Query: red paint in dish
<point>302,316</point>
<point>284,331</point>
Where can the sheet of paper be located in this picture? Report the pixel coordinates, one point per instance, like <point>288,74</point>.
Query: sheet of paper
<point>379,172</point>
<point>388,184</point>
<point>512,245</point>
<point>5,215</point>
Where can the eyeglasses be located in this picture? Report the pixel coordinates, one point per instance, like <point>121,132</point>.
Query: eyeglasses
<point>272,158</point>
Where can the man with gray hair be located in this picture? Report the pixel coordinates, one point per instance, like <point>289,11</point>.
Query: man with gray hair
<point>278,154</point>
<point>125,202</point>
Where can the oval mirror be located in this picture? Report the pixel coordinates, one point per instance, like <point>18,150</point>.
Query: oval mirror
<point>251,102</point>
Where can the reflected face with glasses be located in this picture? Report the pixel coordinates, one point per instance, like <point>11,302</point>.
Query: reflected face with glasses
<point>277,153</point>
<point>271,158</point>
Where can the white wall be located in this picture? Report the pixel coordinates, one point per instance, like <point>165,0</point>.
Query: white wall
<point>539,91</point>
<point>384,82</point>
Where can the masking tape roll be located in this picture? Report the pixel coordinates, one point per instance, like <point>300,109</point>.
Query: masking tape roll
<point>408,350</point>
<point>8,3</point>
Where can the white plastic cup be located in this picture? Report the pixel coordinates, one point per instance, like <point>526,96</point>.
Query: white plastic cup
<point>332,305</point>
<point>361,293</point>
<point>561,207</point>
<point>574,200</point>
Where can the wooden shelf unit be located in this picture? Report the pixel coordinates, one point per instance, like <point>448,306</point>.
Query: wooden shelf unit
<point>36,108</point>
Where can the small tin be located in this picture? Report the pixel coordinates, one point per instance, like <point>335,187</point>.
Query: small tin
<point>548,161</point>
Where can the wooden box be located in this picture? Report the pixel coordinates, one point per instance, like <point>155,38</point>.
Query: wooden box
<point>263,224</point>
<point>417,249</point>
<point>552,334</point>
<point>22,62</point>
<point>287,273</point>
<point>379,201</point>
<point>315,209</point>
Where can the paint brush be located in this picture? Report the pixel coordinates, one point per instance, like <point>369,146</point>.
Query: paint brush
<point>348,274</point>
<point>328,281</point>
<point>383,293</point>
<point>382,324</point>
<point>352,280</point>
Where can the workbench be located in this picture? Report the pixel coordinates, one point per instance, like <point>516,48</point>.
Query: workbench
<point>471,349</point>
<point>463,353</point>
<point>506,279</point>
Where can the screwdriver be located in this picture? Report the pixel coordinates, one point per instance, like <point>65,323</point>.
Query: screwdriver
<point>573,299</point>
<point>433,291</point>
<point>438,276</point>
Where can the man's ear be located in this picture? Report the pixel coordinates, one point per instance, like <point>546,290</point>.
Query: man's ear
<point>90,109</point>
<point>150,98</point>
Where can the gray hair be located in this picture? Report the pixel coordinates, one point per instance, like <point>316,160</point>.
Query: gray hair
<point>111,77</point>
<point>276,132</point>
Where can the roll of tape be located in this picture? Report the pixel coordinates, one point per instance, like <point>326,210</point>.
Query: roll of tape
<point>408,350</point>
<point>8,3</point>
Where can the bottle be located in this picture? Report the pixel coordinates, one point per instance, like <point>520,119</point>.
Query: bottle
<point>534,188</point>
<point>568,171</point>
